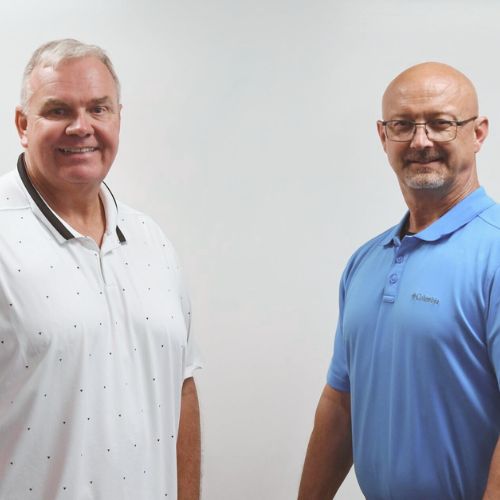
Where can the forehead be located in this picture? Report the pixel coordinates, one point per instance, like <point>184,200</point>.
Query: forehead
<point>427,96</point>
<point>80,79</point>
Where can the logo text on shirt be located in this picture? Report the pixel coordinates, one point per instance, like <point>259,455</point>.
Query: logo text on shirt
<point>424,298</point>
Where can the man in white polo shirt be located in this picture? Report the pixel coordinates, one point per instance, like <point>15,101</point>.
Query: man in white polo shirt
<point>97,398</point>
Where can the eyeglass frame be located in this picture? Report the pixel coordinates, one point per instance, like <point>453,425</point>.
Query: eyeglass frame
<point>456,123</point>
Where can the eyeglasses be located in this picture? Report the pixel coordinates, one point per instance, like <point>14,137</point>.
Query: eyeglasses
<point>437,130</point>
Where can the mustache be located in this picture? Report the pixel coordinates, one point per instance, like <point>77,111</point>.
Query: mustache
<point>422,156</point>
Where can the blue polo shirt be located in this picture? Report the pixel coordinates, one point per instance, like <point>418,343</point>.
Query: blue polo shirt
<point>418,348</point>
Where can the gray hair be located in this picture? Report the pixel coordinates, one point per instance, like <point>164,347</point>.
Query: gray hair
<point>51,54</point>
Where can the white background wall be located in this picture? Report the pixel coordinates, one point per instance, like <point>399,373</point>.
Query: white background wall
<point>249,133</point>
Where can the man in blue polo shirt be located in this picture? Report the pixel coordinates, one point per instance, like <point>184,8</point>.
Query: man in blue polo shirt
<point>412,394</point>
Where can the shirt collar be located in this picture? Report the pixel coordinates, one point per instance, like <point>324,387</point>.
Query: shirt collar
<point>458,216</point>
<point>59,227</point>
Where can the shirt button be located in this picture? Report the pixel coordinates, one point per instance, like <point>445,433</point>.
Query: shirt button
<point>399,259</point>
<point>393,278</point>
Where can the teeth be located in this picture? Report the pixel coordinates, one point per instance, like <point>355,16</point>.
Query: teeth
<point>77,150</point>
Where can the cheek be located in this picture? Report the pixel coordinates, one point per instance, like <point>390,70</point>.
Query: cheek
<point>395,154</point>
<point>42,136</point>
<point>112,138</point>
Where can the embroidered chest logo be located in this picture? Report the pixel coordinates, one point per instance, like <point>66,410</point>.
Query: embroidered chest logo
<point>421,297</point>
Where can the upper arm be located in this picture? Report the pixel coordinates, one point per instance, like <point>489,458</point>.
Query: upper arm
<point>338,371</point>
<point>493,324</point>
<point>334,404</point>
<point>188,388</point>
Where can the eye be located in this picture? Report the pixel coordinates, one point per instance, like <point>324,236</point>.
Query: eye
<point>99,110</point>
<point>400,125</point>
<point>57,112</point>
<point>439,124</point>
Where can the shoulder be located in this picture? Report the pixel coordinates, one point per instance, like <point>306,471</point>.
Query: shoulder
<point>491,216</point>
<point>135,219</point>
<point>367,256</point>
<point>12,195</point>
<point>374,245</point>
<point>139,226</point>
<point>481,237</point>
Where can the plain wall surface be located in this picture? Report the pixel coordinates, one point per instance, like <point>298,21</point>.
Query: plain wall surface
<point>248,133</point>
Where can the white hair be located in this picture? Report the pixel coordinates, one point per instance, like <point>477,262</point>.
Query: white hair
<point>53,53</point>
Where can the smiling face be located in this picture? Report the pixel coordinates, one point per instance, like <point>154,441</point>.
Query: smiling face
<point>426,92</point>
<point>71,125</point>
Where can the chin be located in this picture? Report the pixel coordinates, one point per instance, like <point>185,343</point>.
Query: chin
<point>425,182</point>
<point>84,175</point>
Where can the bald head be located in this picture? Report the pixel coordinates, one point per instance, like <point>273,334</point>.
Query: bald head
<point>433,107</point>
<point>430,80</point>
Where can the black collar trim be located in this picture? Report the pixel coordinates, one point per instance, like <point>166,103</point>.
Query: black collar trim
<point>121,236</point>
<point>46,211</point>
<point>49,215</point>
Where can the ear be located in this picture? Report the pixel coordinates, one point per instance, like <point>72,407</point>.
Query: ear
<point>481,126</point>
<point>120,107</point>
<point>381,134</point>
<point>22,126</point>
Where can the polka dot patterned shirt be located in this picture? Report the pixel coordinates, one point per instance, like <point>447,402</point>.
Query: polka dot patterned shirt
<point>94,348</point>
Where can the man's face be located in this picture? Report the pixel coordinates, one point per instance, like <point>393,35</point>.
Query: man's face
<point>422,164</point>
<point>71,127</point>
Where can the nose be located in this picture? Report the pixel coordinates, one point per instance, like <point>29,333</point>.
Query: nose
<point>420,139</point>
<point>80,125</point>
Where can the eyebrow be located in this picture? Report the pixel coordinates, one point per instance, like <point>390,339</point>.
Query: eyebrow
<point>102,100</point>
<point>51,102</point>
<point>446,111</point>
<point>106,100</point>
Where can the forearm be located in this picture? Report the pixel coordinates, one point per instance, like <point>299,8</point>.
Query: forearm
<point>188,444</point>
<point>493,486</point>
<point>329,454</point>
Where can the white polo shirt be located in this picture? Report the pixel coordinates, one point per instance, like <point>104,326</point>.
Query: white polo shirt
<point>94,348</point>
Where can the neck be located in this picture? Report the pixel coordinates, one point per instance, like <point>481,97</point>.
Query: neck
<point>428,205</point>
<point>79,205</point>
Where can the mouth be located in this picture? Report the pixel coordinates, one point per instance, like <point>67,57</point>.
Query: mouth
<point>426,161</point>
<point>423,157</point>
<point>77,150</point>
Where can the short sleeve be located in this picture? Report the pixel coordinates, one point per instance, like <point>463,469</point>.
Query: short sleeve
<point>192,358</point>
<point>493,324</point>
<point>338,372</point>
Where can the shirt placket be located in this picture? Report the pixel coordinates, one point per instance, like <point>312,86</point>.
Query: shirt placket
<point>402,249</point>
